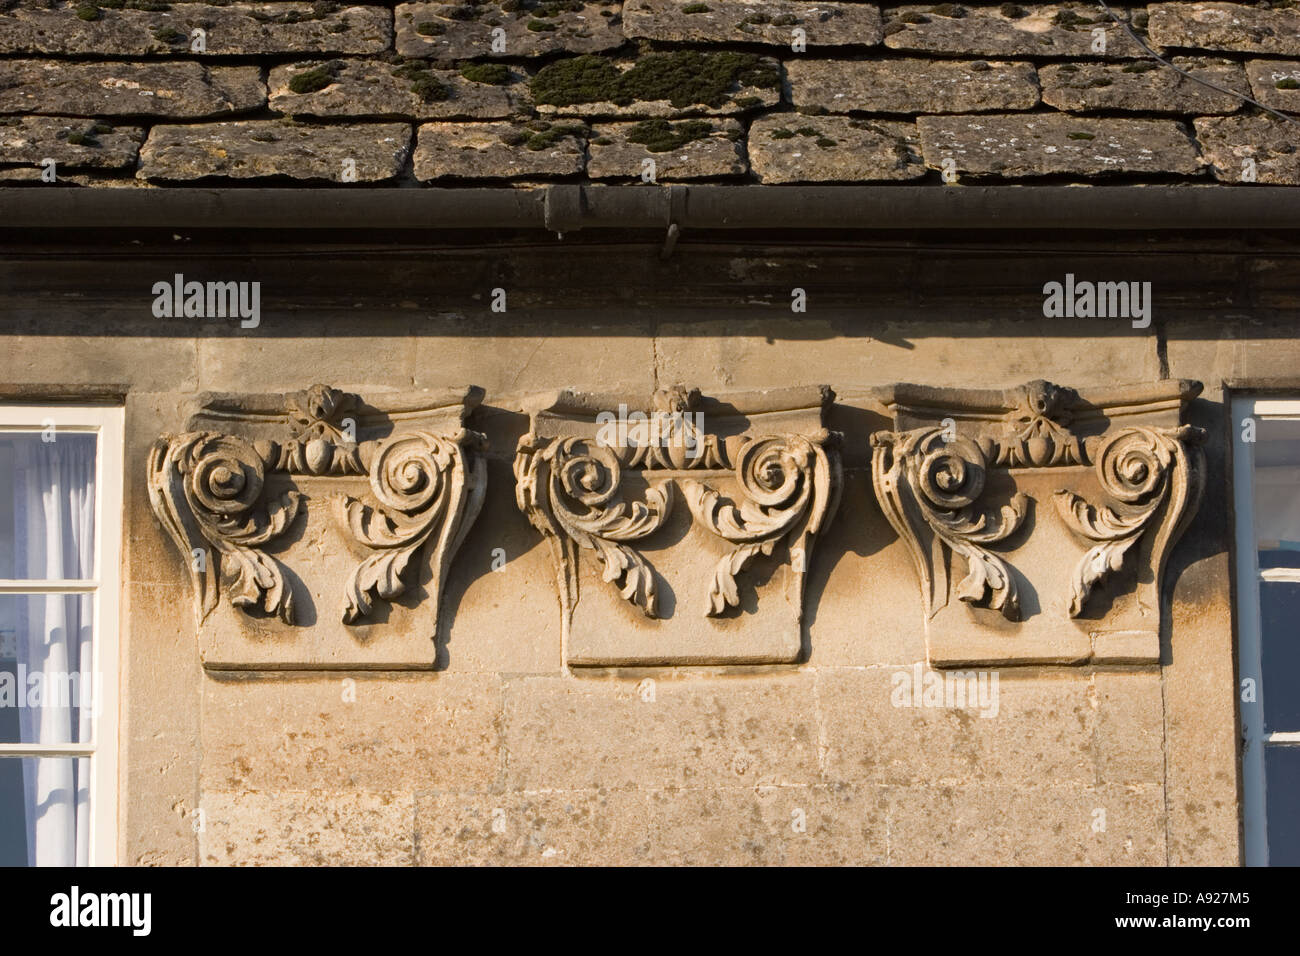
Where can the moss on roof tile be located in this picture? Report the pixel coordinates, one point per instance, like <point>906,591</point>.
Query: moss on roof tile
<point>684,78</point>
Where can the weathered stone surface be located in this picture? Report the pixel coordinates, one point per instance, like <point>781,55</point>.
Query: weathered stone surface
<point>263,148</point>
<point>704,148</point>
<point>499,150</point>
<point>369,88</point>
<point>1226,26</point>
<point>792,148</point>
<point>1273,145</point>
<point>352,732</point>
<point>451,30</point>
<point>1008,30</point>
<point>319,828</point>
<point>1041,145</point>
<point>1144,86</point>
<point>911,86</point>
<point>680,83</point>
<point>72,143</point>
<point>171,90</point>
<point>1027,826</point>
<point>729,732</point>
<point>1276,83</point>
<point>787,825</point>
<point>1130,727</point>
<point>754,21</point>
<point>882,727</point>
<point>234,30</point>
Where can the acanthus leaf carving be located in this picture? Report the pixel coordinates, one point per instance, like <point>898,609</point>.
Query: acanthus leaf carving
<point>422,483</point>
<point>208,487</point>
<point>570,490</point>
<point>789,486</point>
<point>1143,471</point>
<point>926,482</point>
<point>759,474</point>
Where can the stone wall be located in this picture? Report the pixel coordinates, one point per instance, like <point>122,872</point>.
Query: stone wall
<point>499,752</point>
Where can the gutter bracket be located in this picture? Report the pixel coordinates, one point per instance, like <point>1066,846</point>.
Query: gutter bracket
<point>676,212</point>
<point>562,207</point>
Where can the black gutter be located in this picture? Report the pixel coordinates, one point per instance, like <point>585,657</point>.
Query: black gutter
<point>569,208</point>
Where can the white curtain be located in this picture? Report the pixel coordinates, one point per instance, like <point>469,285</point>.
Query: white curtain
<point>54,523</point>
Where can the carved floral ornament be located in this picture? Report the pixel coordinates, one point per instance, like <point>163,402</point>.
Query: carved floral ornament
<point>932,484</point>
<point>572,489</point>
<point>210,491</point>
<point>718,500</point>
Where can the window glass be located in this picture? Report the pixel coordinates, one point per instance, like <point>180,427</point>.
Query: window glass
<point>47,505</point>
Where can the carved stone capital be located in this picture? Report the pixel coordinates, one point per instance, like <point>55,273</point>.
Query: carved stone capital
<point>236,493</point>
<point>599,476</point>
<point>961,480</point>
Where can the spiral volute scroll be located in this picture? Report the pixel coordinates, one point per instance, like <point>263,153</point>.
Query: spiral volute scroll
<point>421,484</point>
<point>211,487</point>
<point>1150,477</point>
<point>585,501</point>
<point>788,486</point>
<point>927,478</point>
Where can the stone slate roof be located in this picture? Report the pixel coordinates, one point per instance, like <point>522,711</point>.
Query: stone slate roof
<point>510,92</point>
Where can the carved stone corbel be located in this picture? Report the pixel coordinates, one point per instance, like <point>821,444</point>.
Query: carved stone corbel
<point>759,473</point>
<point>961,478</point>
<point>229,491</point>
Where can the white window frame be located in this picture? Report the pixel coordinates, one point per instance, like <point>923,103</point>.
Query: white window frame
<point>1249,635</point>
<point>107,422</point>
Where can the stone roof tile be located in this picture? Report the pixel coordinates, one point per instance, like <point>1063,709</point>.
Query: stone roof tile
<point>1144,86</point>
<point>172,89</point>
<point>239,29</point>
<point>1018,146</point>
<point>373,88</point>
<point>911,85</point>
<point>504,92</point>
<point>802,149</point>
<point>511,28</point>
<point>661,150</point>
<point>1067,29</point>
<point>72,143</point>
<point>263,149</point>
<point>1227,26</point>
<point>533,150</point>
<point>773,22</point>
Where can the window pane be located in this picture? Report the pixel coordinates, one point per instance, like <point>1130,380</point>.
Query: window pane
<point>1282,783</point>
<point>47,505</point>
<point>44,811</point>
<point>48,691</point>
